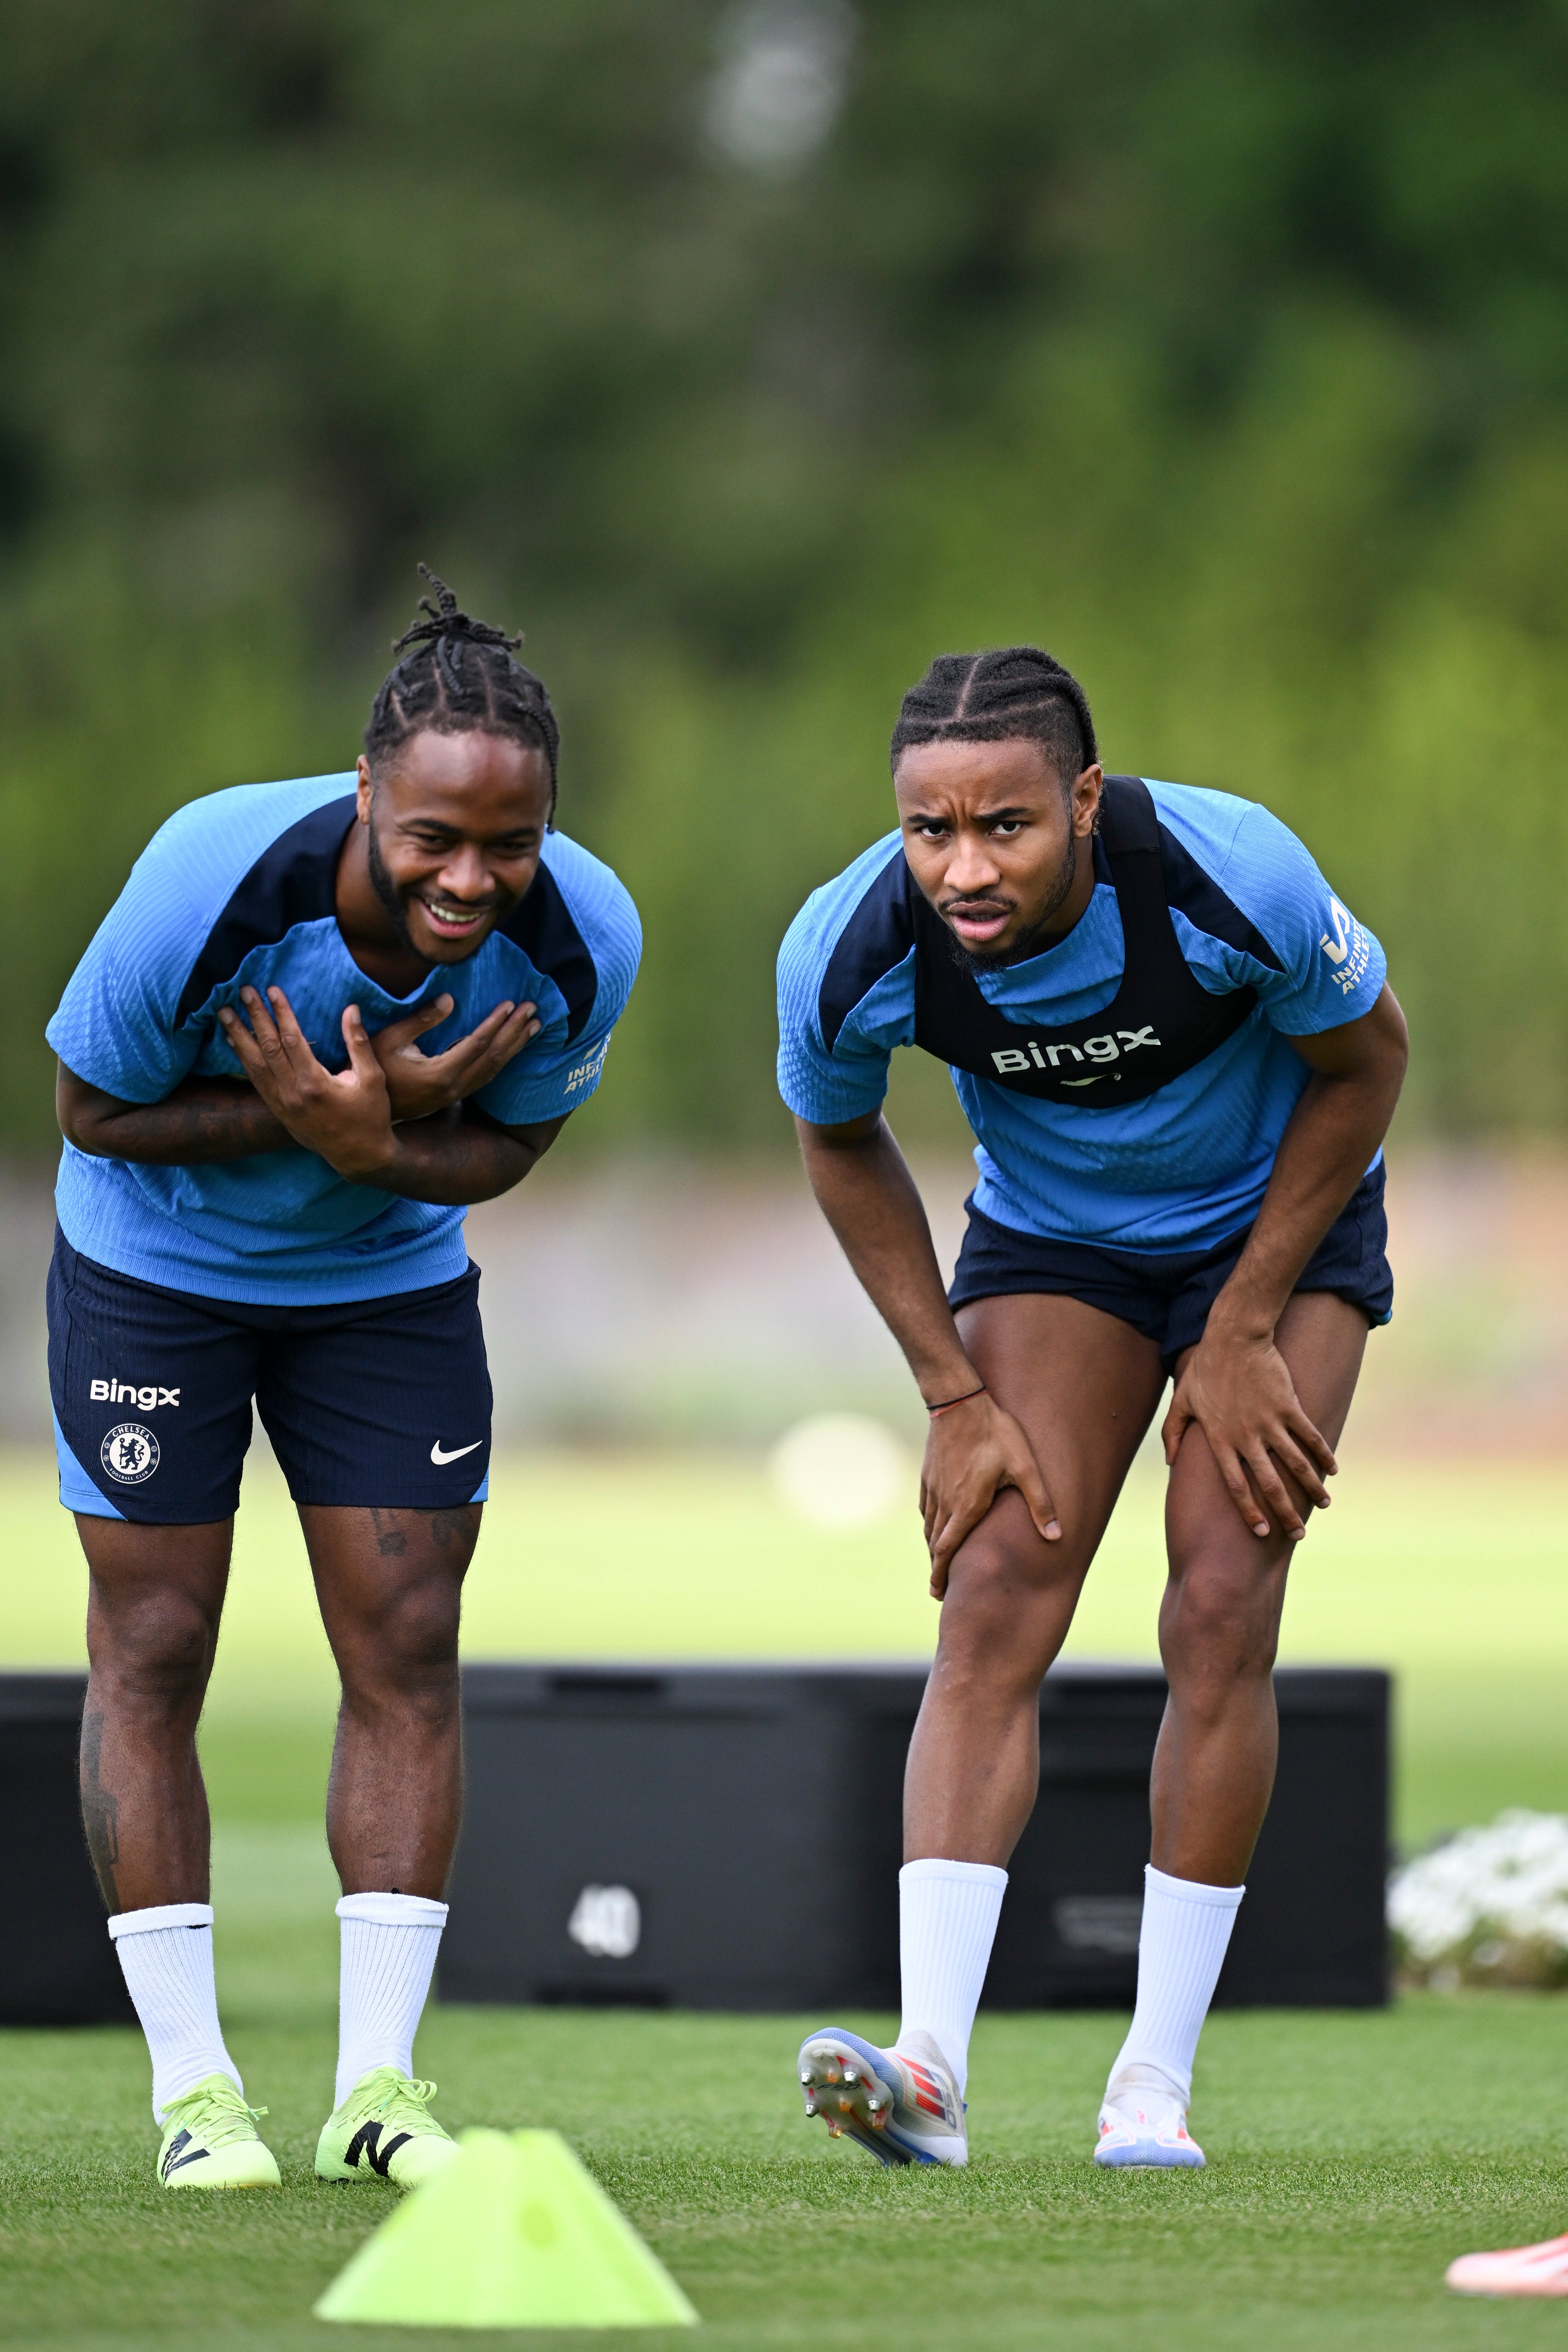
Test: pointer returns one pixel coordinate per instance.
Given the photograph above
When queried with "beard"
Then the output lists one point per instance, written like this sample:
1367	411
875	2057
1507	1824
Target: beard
974	960
386	889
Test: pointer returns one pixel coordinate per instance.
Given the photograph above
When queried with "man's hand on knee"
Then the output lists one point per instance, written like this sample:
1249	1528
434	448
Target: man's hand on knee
1240	1392
973	1451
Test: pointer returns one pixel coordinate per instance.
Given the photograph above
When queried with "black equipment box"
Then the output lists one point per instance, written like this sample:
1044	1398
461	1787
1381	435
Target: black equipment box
57	1963
730	1837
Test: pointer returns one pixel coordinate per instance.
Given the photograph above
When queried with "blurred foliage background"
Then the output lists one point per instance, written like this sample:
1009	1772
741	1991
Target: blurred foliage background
749	355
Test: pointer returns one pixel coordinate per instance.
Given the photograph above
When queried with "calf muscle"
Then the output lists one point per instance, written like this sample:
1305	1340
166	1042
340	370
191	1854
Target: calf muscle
390	1586
154	1597
1219	1620
1084	1386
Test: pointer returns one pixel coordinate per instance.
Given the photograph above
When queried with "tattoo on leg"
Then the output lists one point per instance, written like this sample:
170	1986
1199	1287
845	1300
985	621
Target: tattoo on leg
99	1809
457	1527
390	1540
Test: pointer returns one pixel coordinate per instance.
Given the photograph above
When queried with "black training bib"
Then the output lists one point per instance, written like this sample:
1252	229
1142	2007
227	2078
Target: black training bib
1160	1022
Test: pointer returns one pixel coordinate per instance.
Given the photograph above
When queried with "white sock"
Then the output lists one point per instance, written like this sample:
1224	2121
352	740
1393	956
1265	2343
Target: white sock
166	1957
387	1952
947	1914
1181	1944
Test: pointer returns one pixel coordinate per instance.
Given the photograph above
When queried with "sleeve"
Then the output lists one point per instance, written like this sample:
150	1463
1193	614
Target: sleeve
822	1086
116	1025
1332	969
550	1079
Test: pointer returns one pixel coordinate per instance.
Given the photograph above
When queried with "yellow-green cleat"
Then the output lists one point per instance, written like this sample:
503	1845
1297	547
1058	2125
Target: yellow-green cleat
210	2141
384	2129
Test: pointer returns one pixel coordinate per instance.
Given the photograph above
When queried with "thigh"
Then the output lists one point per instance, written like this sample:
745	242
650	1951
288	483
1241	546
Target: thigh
390	1581
151	1392
152	1590
383	1404
1084	1385
1322	1338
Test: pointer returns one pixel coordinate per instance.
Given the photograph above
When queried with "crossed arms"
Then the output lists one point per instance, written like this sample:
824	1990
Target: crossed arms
397	1120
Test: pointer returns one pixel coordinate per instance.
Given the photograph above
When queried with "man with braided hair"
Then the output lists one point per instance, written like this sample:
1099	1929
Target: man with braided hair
1179	1056
321	1018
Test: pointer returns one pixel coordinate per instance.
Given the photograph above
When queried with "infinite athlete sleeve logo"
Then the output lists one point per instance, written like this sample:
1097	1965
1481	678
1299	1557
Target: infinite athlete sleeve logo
1348	948
587	1073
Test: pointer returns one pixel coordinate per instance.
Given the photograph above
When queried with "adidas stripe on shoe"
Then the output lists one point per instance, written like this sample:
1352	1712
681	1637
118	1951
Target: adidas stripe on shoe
900	2105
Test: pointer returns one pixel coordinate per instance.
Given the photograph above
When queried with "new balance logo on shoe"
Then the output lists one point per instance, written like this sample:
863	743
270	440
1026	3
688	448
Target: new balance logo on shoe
1107	1048
366	2142
126	1393
439	1454
172	2159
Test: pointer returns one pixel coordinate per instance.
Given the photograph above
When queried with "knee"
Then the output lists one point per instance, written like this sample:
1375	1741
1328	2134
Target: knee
157	1650
998	1614
1220	1627
407	1646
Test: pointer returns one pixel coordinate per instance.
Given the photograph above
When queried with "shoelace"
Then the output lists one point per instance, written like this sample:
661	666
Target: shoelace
401	2091
217	2117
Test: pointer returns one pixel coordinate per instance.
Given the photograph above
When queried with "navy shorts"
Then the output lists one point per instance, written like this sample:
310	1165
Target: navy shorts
1168	1298
377	1402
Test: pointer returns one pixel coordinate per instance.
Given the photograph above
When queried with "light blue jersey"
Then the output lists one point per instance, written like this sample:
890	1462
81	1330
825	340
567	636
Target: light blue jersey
238	888
1182	1167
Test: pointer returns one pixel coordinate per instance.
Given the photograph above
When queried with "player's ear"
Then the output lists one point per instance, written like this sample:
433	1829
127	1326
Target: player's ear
1085	798
366	788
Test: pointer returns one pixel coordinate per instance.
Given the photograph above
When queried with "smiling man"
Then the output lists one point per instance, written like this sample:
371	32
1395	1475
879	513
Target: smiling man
1179	1056
321	1018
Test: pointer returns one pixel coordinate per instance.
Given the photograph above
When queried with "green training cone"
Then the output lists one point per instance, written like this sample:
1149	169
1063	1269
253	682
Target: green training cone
513	2233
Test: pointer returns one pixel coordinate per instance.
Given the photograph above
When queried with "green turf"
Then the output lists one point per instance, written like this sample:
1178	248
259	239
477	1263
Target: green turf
1351	2157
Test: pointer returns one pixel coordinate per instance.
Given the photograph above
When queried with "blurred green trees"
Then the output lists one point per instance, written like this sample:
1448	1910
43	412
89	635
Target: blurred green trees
1221	347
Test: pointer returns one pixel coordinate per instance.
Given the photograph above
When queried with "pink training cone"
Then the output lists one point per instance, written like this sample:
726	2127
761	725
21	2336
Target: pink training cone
1539	2270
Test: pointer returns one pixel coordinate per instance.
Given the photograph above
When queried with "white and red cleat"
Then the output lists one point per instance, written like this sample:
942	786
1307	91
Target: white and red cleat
1517	2270
1143	2125
902	2105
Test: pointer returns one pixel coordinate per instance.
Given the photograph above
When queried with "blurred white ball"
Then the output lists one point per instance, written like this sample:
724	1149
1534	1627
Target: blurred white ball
840	1470
782	81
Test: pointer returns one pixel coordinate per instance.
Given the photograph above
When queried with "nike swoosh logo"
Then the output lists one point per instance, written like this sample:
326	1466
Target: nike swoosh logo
1079	1082
438	1456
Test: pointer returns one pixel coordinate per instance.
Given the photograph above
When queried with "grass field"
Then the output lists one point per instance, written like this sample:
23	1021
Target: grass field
1350	2155
1350	2158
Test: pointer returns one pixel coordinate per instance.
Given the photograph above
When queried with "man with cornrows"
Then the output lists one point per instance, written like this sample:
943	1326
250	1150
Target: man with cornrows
1179	1058
321	1018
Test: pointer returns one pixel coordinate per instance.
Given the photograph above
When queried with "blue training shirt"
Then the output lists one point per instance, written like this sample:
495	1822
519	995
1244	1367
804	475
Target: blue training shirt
240	888
1189	1165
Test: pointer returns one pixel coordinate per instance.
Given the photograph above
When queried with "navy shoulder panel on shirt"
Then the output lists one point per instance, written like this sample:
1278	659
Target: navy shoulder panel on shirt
880	932
873	942
541	924
293	881
1206	906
